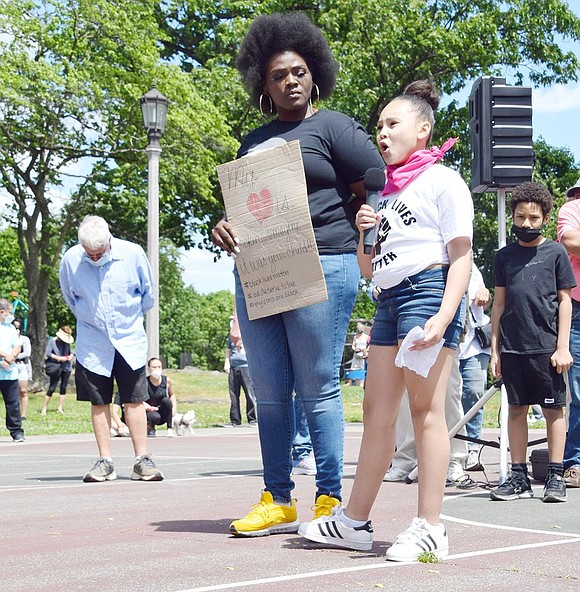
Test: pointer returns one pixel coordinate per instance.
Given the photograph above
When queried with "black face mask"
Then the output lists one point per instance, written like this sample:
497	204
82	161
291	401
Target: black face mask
527	235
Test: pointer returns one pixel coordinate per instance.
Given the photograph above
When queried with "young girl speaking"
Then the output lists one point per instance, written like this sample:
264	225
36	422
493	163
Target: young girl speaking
420	263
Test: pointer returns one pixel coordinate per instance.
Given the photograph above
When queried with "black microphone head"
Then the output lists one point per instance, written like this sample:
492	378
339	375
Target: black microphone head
374	179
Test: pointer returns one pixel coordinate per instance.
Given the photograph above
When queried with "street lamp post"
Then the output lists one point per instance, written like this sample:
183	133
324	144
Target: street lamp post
154	108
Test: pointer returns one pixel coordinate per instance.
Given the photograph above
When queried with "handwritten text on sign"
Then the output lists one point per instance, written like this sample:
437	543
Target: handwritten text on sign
267	204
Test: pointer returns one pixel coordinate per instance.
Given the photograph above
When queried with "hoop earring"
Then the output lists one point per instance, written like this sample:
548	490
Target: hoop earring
315	86
262	112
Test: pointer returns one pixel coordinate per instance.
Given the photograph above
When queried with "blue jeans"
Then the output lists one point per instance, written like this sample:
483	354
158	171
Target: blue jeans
302	444
572	449
474	376
301	351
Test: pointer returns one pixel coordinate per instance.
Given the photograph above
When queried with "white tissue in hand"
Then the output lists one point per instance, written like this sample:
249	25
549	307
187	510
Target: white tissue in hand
419	361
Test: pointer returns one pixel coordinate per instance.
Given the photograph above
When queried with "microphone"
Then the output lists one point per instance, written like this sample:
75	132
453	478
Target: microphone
374	182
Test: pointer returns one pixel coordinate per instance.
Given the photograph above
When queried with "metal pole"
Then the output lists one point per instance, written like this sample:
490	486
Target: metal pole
503	409
503	436
501	219
153	151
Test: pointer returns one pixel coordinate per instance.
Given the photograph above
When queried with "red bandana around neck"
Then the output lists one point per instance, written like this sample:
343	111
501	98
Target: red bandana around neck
400	175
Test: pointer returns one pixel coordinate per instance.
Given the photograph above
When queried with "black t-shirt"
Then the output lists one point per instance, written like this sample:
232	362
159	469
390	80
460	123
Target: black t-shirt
336	151
531	277
157	392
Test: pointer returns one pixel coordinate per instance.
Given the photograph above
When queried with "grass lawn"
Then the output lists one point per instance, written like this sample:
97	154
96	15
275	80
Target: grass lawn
205	392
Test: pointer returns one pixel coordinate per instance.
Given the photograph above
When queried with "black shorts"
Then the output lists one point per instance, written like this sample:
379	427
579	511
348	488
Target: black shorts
98	389
532	380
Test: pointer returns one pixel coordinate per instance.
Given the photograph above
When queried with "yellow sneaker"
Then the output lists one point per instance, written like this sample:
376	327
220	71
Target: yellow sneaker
266	517
324	505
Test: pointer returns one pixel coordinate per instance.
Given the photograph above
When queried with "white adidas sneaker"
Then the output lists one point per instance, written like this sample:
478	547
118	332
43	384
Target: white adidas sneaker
419	538
329	530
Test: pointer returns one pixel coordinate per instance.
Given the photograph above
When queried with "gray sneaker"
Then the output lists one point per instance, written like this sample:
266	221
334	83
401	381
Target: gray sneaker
146	470
103	470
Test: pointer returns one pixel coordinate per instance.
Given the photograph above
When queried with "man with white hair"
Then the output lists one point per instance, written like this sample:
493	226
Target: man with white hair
108	285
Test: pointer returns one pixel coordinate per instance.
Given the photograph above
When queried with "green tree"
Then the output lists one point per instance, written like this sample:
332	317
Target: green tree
192	323
213	329
364	307
178	321
381	46
71	139
11	266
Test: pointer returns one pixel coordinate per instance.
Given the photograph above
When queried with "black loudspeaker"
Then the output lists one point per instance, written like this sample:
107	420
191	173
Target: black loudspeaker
500	124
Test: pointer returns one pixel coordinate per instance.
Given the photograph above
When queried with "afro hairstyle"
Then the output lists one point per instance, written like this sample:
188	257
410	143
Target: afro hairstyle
274	33
534	193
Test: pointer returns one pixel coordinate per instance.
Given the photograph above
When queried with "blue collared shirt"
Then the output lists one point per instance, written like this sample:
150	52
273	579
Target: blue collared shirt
8	339
109	303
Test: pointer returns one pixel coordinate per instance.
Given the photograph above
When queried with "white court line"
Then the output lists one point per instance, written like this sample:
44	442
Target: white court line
511	528
372	566
44	485
187	458
497	526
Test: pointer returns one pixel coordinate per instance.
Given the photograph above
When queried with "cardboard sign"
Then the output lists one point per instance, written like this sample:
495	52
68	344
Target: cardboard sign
267	204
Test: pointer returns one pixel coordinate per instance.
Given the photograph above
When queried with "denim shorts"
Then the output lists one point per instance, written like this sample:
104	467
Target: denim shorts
413	302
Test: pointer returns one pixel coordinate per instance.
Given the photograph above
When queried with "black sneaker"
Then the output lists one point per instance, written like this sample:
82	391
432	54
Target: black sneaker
555	489
516	487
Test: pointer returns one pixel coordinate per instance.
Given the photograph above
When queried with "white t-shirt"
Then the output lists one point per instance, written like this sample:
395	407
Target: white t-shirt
470	347
418	222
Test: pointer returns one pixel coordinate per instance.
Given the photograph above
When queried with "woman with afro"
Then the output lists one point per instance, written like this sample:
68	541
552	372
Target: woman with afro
287	67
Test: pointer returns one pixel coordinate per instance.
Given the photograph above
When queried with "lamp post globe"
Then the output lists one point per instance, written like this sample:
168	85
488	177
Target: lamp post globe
154	109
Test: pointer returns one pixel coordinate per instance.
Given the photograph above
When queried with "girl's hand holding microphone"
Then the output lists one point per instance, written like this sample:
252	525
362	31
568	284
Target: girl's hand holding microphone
366	218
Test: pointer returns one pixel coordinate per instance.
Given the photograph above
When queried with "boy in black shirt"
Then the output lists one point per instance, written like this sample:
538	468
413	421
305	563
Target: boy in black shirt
531	319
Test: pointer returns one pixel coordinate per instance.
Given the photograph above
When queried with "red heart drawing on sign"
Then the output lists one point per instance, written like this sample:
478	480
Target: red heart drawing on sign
260	205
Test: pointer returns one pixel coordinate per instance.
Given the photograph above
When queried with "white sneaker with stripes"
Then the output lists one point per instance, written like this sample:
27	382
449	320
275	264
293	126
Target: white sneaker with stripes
419	538
329	530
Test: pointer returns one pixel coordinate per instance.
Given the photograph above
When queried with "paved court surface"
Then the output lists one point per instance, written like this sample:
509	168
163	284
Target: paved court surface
59	534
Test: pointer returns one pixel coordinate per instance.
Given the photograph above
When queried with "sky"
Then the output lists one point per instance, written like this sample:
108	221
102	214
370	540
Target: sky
556	119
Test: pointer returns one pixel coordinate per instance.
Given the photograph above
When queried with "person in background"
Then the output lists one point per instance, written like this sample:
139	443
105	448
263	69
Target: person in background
286	64
473	362
569	236
58	366
530	341
107	283
161	405
536	414
360	351
239	378
119	428
24	368
10	347
303	462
